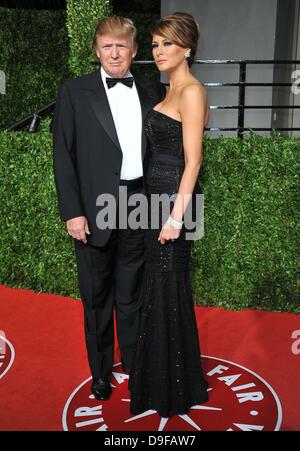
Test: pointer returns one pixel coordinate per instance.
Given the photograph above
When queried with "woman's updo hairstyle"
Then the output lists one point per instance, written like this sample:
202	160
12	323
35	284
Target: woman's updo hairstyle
182	29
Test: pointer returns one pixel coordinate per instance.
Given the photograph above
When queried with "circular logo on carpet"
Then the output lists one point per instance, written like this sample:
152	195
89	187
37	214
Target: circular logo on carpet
7	354
239	400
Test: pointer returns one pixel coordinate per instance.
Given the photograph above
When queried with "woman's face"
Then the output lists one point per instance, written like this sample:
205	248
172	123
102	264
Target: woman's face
166	54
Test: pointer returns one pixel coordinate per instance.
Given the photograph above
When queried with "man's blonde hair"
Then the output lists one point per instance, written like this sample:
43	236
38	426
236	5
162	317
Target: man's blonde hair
117	26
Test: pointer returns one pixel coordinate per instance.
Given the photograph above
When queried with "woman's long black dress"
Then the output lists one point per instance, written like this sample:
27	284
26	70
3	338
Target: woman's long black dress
166	374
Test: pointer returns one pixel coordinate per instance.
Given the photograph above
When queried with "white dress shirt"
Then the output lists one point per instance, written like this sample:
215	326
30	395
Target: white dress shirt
125	107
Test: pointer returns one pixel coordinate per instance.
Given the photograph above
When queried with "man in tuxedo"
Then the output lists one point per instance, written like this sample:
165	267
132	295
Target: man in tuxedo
99	145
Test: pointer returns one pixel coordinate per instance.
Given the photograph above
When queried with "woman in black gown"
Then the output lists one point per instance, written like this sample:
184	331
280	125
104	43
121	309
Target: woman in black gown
166	375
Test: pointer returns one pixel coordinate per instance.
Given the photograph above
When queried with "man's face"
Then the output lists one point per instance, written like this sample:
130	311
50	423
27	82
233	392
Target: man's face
115	53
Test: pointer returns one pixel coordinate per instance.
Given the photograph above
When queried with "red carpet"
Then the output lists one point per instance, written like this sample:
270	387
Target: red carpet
252	365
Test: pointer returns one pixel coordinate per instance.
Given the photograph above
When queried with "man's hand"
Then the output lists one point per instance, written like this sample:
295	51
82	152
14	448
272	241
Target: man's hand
78	228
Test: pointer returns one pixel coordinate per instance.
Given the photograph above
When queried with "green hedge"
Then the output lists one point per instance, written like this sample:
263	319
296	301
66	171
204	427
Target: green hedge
34	56
249	254
248	257
35	250
83	16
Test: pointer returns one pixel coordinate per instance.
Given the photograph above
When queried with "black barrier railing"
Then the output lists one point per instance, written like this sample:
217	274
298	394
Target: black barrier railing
242	84
31	122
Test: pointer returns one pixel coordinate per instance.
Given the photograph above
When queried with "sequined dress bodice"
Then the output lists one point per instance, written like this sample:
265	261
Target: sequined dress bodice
165	153
164	134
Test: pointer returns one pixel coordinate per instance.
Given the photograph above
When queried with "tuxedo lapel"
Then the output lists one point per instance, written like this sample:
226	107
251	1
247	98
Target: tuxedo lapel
99	103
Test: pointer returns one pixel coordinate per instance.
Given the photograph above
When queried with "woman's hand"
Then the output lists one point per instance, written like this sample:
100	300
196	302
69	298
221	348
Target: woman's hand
168	232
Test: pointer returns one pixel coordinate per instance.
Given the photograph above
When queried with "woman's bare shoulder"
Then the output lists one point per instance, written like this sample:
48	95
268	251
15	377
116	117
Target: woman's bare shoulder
194	87
193	92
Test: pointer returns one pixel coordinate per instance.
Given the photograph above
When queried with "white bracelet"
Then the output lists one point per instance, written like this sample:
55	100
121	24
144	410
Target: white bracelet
176	224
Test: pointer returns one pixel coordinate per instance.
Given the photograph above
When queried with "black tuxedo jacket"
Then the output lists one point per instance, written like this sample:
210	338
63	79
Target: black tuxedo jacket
87	153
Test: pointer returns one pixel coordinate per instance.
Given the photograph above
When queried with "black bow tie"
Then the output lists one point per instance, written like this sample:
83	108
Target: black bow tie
113	81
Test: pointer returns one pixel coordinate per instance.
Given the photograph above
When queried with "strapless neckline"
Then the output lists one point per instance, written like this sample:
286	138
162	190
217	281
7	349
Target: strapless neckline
163	114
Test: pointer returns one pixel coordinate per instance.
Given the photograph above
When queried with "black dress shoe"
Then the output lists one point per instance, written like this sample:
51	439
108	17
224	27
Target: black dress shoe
101	389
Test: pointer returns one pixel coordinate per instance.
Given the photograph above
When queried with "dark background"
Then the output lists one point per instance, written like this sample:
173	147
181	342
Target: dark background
119	5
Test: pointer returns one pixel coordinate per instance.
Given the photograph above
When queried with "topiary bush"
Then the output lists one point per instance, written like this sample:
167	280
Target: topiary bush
34	57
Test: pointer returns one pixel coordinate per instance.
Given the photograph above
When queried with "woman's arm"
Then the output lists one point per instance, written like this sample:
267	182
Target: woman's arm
193	112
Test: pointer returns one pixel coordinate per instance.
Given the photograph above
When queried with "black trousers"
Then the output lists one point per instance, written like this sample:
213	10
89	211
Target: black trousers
109	277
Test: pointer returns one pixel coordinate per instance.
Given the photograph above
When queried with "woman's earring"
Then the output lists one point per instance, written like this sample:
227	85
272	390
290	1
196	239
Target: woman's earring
187	54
